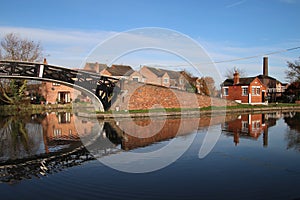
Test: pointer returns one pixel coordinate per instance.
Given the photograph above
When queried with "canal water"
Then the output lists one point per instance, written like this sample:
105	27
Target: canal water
63	156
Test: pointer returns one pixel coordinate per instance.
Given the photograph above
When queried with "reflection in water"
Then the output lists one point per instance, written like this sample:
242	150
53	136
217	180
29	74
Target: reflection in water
19	138
252	126
31	146
39	144
27	136
293	135
129	136
248	126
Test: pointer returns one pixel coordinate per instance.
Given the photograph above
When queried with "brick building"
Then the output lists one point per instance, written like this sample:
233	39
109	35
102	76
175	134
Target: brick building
248	90
57	93
162	77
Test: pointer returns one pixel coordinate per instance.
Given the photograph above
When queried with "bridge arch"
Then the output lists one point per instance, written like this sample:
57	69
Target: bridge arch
98	87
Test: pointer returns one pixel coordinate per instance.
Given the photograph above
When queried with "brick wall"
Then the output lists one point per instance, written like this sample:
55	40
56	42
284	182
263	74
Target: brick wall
135	96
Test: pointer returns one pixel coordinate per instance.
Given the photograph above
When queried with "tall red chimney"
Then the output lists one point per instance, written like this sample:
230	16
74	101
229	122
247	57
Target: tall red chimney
265	66
236	77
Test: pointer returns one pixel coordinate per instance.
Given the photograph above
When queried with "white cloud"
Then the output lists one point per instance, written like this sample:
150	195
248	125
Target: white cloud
62	47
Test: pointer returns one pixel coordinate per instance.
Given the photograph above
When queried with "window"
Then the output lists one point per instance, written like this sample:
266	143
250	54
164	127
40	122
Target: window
55	84
255	90
166	80
255	125
245	126
244	91
225	91
57	132
64	117
135	79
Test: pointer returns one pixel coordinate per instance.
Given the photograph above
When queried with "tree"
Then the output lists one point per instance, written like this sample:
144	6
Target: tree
229	73
293	71
206	86
13	47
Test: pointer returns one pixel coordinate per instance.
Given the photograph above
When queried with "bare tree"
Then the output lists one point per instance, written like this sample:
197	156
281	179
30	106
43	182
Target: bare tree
13	47
229	73
293	71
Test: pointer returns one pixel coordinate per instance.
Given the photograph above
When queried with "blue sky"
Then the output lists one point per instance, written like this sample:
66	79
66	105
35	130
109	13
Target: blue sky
229	29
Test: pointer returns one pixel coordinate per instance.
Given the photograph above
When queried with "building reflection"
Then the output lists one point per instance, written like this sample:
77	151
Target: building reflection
26	136
251	126
131	134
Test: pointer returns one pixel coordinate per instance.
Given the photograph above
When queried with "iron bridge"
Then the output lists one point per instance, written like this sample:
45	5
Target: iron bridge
100	86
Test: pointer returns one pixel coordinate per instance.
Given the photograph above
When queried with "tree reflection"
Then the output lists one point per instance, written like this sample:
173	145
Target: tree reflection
293	135
18	137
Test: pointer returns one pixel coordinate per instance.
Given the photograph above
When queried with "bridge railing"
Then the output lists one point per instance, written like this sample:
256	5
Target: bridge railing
91	82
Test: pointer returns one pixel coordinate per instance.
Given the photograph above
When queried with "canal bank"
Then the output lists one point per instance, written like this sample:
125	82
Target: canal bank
33	108
193	112
241	109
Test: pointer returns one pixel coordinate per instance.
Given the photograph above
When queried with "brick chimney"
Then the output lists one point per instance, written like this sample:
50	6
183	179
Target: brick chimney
265	66
45	61
236	77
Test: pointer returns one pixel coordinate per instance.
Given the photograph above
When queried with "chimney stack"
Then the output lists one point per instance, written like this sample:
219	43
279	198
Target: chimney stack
265	66
45	61
236	77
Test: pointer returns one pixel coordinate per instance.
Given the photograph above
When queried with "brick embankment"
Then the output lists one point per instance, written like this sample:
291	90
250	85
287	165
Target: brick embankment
137	96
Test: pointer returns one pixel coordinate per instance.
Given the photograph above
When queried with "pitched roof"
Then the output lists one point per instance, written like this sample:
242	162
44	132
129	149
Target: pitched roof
160	72
120	70
242	81
261	76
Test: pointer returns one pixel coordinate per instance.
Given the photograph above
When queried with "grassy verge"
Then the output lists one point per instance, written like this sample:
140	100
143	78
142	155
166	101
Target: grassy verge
240	106
32	108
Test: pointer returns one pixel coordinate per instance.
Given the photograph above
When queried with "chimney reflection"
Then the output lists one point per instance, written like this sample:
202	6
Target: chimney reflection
249	126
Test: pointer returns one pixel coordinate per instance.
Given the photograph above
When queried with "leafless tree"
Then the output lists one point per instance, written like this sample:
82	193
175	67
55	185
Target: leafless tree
13	47
229	73
293	71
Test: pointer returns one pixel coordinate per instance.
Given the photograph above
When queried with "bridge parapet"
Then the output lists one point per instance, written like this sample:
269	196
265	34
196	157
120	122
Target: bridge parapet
96	84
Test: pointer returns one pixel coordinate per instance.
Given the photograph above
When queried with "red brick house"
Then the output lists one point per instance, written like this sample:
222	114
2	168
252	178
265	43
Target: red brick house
57	93
248	90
